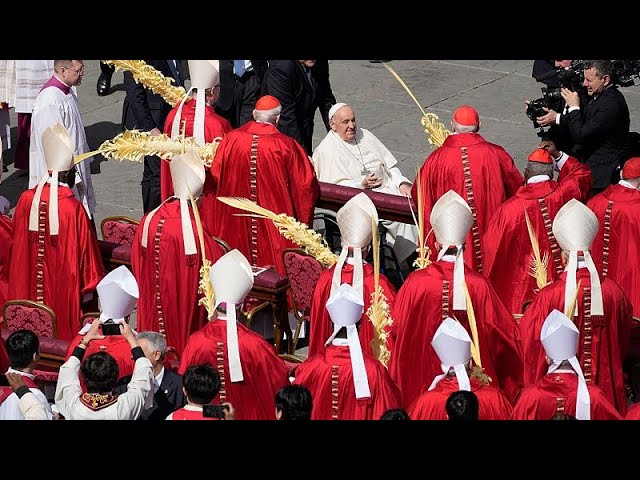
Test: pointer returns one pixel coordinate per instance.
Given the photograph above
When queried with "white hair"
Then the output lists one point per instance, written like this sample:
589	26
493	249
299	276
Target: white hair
267	116
465	128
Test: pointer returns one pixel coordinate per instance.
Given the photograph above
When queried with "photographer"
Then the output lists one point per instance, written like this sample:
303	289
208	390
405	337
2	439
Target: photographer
601	126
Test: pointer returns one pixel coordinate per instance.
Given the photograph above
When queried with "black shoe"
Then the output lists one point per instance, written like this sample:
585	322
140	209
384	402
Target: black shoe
104	84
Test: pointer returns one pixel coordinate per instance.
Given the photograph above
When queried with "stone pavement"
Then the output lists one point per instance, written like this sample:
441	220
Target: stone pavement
496	88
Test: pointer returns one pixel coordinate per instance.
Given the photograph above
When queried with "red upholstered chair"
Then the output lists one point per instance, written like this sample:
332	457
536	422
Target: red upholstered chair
118	233
39	318
303	271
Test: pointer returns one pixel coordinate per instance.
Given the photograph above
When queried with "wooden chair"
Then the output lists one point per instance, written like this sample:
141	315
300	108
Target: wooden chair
303	271
40	319
118	233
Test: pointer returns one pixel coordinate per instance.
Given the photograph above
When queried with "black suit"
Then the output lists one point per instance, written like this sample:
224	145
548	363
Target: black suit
601	127
168	398
288	81
144	110
238	96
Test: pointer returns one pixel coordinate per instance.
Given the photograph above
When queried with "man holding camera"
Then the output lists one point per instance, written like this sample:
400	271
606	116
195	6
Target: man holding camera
601	126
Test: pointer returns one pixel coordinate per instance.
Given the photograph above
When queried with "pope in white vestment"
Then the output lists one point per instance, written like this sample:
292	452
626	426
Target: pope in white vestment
58	103
348	155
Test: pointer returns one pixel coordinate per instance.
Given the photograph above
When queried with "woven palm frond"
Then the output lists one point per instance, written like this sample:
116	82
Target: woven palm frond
290	228
572	306
204	284
151	78
538	265
378	311
134	145
434	129
423	250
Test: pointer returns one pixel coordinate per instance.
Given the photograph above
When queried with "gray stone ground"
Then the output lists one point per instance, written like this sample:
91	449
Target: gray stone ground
496	88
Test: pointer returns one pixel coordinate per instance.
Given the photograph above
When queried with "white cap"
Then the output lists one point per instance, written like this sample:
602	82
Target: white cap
204	73
58	153
453	346
335	108
232	279
355	222
345	308
451	218
187	175
574	227
118	294
559	337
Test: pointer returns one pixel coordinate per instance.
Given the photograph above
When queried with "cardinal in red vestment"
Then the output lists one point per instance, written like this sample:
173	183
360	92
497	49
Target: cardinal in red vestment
436	292
166	257
258	162
346	383
55	258
507	245
481	172
633	413
196	117
118	293
564	388
354	221
6	242
250	371
616	249
602	312
453	347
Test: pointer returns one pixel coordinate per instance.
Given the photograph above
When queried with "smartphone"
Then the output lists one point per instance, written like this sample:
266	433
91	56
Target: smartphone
110	328
214	411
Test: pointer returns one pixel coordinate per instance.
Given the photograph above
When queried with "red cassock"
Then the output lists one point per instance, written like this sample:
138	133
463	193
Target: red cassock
485	176
258	162
6	242
425	299
507	246
264	372
633	413
320	324
556	393
320	372
115	345
167	278
431	405
616	250
214	126
603	340
57	271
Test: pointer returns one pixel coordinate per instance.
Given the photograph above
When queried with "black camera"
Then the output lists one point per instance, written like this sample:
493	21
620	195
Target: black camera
624	71
214	411
110	328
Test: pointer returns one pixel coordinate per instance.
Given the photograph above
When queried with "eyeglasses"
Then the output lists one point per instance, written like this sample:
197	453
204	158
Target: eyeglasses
78	71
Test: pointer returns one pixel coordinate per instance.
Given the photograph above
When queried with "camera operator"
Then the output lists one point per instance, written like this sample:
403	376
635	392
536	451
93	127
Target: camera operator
546	71
601	126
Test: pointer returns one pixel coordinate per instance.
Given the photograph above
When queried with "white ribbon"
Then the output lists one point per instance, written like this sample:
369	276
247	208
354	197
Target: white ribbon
583	400
459	299
198	121
358	273
34	212
461	376
597	307
360	380
187	229
233	351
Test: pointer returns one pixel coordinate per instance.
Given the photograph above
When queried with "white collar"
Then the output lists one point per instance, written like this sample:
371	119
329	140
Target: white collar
160	377
624	183
538	179
449	258
24	374
193	408
340	342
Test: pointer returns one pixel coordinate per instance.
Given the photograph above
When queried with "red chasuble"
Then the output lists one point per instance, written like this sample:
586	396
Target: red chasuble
320	324
167	278
616	248
55	270
6	242
115	345
214	126
480	172
431	405
329	378
185	414
258	162
264	372
425	299
603	340
633	413
556	393
507	245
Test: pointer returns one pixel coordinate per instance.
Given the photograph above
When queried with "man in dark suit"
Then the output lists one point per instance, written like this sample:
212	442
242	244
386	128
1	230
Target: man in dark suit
601	126
168	393
302	86
146	111
240	82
